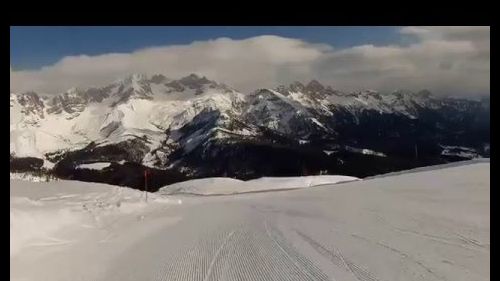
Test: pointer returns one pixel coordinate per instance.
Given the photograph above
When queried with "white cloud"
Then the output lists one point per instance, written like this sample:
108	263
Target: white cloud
445	60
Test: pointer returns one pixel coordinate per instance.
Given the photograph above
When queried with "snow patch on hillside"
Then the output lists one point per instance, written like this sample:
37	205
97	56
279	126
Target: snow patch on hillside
365	151
94	166
460	151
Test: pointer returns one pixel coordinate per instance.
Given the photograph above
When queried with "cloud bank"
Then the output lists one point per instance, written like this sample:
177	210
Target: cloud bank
445	60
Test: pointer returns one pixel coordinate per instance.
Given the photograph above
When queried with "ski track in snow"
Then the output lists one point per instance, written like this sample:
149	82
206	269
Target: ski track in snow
339	232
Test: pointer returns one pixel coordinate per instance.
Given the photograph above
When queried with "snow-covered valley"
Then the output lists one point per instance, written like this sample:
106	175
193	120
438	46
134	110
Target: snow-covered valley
424	225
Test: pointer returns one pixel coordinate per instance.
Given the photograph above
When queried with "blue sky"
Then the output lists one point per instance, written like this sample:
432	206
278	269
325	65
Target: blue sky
34	47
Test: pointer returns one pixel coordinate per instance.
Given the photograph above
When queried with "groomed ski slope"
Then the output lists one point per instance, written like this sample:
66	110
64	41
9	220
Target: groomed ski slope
430	225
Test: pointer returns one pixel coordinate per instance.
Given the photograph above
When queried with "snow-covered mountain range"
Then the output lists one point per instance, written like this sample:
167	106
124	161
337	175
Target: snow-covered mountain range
198	127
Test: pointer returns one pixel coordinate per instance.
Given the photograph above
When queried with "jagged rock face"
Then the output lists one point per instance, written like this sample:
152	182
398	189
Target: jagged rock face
75	100
202	128
31	104
295	87
175	86
193	81
67	102
314	87
158	79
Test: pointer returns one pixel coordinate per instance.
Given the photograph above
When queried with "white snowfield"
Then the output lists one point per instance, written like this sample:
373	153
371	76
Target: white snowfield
41	211
94	166
429	225
225	186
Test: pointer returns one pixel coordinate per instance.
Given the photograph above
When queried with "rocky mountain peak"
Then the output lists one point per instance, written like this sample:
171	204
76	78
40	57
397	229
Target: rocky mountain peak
29	98
297	87
138	77
404	92
131	79
314	86
425	93
31	103
72	91
158	78
194	81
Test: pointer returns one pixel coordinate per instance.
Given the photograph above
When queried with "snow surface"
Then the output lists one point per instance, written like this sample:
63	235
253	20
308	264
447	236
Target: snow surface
216	186
94	166
431	225
42	213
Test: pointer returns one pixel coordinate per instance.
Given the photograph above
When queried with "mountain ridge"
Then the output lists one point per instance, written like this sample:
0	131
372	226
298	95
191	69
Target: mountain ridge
186	123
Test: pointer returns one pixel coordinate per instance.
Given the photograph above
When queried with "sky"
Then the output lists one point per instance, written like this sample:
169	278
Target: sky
445	60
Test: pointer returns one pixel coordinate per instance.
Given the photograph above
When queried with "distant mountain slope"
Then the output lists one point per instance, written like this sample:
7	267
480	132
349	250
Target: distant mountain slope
198	127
